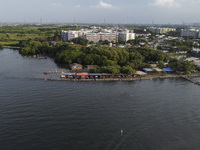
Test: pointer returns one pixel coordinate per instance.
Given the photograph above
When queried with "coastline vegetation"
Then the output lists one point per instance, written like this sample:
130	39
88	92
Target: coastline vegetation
109	59
35	40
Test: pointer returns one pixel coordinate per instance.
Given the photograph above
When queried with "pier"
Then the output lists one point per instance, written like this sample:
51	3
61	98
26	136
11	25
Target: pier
147	77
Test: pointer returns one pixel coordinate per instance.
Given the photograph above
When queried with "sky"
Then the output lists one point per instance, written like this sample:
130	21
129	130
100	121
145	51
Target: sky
100	11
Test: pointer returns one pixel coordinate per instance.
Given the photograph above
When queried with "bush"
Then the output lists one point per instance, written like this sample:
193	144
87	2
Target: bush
1	46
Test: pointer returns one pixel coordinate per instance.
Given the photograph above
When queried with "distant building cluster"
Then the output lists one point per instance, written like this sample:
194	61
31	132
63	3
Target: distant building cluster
160	30
190	32
144	33
97	34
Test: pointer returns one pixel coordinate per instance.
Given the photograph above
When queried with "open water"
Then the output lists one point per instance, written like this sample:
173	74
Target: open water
131	115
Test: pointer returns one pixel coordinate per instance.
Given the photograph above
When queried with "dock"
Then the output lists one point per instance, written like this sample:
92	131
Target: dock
189	78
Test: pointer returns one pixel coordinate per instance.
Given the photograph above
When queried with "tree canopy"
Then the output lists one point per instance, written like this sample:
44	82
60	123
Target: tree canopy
184	66
109	59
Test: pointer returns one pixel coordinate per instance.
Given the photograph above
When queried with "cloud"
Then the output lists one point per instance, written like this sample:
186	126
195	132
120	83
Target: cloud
165	3
103	5
56	4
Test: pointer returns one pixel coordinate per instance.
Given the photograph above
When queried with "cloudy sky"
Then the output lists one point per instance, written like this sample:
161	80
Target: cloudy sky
95	11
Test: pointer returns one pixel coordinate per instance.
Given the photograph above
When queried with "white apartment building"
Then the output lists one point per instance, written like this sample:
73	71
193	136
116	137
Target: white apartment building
126	35
96	36
190	32
69	35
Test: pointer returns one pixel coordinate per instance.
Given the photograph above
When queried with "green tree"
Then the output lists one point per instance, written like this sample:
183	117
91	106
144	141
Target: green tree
161	64
80	41
128	70
1	46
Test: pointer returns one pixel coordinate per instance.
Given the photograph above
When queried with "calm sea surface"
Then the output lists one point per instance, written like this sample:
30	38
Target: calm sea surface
55	115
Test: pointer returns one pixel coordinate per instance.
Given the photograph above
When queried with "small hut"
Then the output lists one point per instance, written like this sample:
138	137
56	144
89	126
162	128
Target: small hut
95	75
168	70
158	70
82	75
76	66
148	70
70	75
140	73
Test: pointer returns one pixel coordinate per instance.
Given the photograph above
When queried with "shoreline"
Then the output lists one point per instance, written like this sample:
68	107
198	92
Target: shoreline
147	77
11	47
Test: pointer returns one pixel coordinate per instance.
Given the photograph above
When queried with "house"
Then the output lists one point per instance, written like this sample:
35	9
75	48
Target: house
144	34
76	66
95	75
195	51
148	70
140	73
70	75
158	70
192	59
82	75
168	70
120	75
153	64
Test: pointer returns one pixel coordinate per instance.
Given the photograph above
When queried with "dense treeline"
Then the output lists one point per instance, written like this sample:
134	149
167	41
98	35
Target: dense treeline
184	66
176	45
109	59
181	43
33	47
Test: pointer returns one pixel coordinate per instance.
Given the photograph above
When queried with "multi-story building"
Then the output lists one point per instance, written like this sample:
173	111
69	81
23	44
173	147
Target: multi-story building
160	30
97	35
190	32
69	35
126	35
